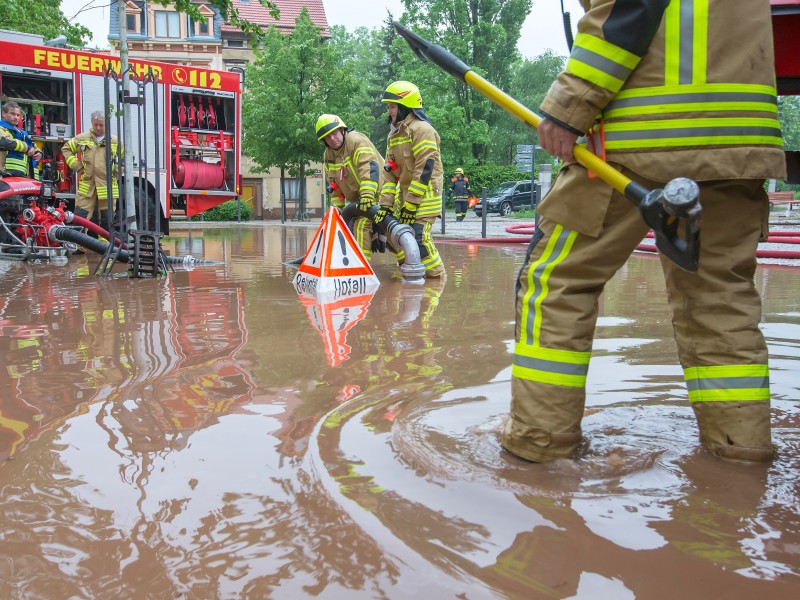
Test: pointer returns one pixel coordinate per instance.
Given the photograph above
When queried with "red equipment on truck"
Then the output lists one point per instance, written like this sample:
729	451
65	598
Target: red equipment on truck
200	153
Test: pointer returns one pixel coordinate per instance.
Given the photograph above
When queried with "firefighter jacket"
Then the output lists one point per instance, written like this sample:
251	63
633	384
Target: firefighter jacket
15	160
417	175
459	186
353	171
689	91
86	153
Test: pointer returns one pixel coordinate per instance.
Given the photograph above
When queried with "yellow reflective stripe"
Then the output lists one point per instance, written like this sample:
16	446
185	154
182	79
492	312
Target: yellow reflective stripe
84	187
550	366
557	249
601	62
398	140
349	164
368	186
672	43
362	150
417	188
698	107
338	202
423	145
700	53
16	164
693	132
389	188
727	383
71	161
430	205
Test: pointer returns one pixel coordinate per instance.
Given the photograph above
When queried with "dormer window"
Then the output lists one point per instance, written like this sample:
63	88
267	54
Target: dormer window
200	29
134	17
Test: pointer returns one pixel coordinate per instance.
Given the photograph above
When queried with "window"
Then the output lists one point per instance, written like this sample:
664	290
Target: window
199	29
167	24
134	17
235	43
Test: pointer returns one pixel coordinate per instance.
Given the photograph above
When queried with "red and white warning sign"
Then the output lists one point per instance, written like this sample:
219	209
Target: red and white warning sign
334	266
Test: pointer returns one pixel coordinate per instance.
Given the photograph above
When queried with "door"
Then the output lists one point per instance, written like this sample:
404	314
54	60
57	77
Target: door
522	196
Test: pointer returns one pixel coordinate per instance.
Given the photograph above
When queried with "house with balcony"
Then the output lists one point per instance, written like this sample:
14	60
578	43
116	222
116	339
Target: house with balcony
157	32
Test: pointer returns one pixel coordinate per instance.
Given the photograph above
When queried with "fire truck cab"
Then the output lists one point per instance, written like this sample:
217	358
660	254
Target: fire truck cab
197	123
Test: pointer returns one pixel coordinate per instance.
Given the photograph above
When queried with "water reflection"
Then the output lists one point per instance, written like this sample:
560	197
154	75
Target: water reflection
210	435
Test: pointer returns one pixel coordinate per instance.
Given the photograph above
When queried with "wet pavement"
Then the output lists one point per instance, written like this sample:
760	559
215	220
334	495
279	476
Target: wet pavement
213	435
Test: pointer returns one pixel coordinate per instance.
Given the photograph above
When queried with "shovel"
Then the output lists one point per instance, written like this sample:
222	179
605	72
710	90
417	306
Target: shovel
662	209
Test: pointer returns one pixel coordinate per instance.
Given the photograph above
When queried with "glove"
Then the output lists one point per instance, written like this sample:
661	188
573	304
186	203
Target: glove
364	204
378	242
381	215
408	214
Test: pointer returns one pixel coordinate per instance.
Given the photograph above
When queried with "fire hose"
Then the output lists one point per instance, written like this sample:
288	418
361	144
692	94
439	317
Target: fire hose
62	233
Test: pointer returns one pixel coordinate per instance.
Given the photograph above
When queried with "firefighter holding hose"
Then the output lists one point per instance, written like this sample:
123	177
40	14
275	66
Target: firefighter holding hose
413	170
352	171
86	155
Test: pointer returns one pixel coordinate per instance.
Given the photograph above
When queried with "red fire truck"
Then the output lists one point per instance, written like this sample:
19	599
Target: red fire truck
199	118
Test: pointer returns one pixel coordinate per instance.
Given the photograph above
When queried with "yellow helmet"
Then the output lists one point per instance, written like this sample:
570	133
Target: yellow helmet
403	92
327	124
459	171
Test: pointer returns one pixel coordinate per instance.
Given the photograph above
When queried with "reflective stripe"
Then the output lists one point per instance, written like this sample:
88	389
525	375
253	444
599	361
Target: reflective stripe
398	140
550	366
422	145
389	188
417	188
430	205
84	187
17	164
558	247
686	42
693	98
368	186
727	383
722	131
362	150
601	62
71	161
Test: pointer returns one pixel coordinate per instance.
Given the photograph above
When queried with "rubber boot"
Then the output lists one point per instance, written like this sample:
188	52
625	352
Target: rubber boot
735	430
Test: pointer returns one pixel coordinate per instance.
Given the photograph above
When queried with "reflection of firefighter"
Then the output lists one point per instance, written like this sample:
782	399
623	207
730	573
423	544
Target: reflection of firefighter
460	190
86	155
353	172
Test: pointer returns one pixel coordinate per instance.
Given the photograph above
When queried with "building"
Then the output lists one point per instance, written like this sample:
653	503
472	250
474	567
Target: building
156	32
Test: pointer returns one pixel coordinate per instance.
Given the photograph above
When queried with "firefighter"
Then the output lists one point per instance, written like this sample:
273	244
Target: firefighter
460	190
675	102
16	146
413	171
352	171
86	155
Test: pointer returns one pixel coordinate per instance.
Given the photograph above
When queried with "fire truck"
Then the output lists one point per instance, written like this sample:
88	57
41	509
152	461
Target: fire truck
198	113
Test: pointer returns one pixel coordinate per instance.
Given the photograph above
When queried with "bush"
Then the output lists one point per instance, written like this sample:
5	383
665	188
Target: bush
227	211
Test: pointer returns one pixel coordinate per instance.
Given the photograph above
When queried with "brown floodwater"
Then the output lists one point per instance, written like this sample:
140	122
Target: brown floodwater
211	434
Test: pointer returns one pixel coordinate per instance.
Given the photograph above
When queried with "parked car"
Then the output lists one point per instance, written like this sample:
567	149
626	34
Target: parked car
506	198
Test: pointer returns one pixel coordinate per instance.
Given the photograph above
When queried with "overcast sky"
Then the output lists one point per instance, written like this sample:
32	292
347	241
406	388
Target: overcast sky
543	28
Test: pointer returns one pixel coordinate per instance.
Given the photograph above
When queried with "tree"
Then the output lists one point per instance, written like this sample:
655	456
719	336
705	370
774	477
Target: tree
484	34
43	17
294	79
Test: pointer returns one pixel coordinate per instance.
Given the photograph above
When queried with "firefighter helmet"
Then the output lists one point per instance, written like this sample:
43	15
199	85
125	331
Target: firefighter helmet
327	124
404	93
459	171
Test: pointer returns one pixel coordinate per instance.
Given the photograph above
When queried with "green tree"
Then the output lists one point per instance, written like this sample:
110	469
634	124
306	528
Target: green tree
43	17
789	112
483	33
294	79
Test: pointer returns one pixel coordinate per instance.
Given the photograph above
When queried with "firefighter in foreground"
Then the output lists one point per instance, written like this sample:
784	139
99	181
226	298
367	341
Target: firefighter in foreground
86	155
668	112
459	188
352	170
16	146
413	171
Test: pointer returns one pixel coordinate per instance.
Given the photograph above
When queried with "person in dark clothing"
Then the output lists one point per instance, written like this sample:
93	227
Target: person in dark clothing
459	189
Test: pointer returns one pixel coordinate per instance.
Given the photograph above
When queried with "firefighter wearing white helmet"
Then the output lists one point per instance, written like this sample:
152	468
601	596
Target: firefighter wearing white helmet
413	170
352	171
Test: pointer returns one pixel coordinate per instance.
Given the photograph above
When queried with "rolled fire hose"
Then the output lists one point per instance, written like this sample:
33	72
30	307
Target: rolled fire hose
400	235
61	233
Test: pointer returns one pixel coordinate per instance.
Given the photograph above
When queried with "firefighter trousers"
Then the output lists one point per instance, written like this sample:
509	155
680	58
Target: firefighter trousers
715	315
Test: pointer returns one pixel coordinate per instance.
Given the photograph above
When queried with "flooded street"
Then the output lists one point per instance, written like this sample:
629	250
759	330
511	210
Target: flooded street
213	435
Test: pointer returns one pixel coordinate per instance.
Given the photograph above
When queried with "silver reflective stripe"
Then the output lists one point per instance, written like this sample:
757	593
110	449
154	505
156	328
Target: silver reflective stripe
727	383
600	63
693	97
691	132
687	41
551	366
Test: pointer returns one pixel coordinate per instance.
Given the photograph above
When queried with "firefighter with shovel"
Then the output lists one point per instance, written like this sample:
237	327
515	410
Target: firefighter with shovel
670	109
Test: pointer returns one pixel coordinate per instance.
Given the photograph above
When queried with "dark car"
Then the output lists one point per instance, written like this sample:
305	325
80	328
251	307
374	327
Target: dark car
506	198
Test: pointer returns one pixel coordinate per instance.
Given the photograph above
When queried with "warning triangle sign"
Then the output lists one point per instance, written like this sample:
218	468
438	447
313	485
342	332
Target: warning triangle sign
333	320
334	266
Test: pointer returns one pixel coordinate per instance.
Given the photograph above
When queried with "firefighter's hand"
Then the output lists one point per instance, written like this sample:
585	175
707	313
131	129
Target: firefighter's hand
365	203
378	242
408	214
381	215
557	140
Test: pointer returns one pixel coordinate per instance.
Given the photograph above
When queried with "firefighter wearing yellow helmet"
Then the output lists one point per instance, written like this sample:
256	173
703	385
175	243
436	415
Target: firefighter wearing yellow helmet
413	170
460	190
352	170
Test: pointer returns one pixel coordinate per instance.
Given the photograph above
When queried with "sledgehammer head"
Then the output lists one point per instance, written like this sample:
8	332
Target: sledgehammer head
665	211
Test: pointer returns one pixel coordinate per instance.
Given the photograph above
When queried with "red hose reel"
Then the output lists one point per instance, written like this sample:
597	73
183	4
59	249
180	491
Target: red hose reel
195	173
